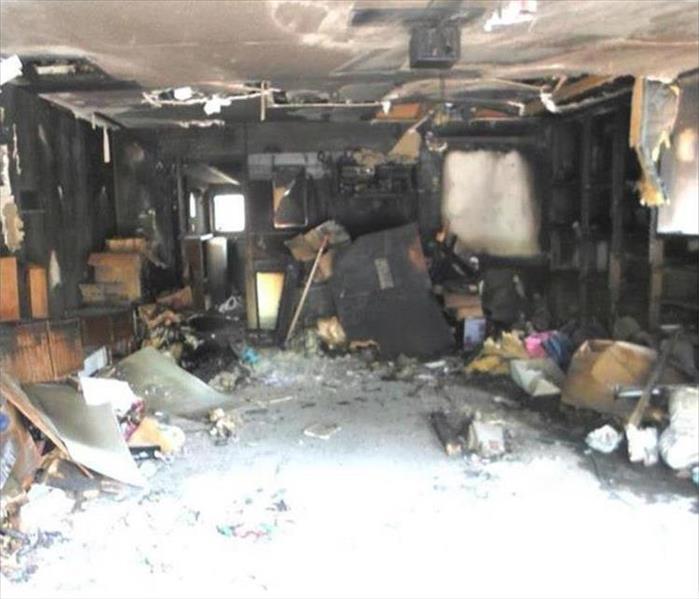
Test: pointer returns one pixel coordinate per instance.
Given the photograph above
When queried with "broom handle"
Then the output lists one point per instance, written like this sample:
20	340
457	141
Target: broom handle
306	287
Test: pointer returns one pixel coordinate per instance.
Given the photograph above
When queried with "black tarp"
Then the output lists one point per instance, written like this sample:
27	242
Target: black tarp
382	292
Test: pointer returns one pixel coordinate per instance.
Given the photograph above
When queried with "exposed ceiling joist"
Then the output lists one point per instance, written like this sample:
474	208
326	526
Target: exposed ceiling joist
549	101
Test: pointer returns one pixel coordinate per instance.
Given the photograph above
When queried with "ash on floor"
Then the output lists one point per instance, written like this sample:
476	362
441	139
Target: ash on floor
376	508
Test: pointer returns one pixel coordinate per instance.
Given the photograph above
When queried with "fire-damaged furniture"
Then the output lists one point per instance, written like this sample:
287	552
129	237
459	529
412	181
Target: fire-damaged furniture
41	350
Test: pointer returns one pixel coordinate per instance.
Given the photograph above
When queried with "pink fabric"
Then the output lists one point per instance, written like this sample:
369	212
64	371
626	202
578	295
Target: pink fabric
534	344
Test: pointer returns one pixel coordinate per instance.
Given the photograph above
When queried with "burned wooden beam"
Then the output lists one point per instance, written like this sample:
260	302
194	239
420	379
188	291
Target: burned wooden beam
616	253
567	92
585	214
448	436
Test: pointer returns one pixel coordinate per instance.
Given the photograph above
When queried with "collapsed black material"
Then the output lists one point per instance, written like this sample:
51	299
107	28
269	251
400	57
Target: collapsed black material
382	292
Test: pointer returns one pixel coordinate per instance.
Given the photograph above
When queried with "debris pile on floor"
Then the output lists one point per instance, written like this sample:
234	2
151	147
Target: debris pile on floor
321	430
101	426
257	520
164	330
636	388
679	443
390	304
605	439
224	425
401	315
472	435
153	435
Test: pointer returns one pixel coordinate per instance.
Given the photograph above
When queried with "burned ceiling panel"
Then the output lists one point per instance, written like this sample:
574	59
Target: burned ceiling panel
356	51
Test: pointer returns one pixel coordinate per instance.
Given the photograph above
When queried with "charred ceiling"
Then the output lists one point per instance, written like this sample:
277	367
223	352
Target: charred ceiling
323	60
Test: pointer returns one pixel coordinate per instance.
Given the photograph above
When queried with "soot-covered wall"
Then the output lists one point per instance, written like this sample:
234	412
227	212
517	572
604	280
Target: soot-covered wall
146	201
63	190
489	202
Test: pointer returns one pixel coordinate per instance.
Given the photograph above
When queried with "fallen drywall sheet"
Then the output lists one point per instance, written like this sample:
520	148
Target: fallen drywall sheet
12	392
539	377
98	391
382	293
166	387
488	202
91	433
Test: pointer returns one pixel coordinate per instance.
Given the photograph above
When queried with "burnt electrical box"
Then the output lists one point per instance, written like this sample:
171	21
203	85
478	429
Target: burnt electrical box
435	46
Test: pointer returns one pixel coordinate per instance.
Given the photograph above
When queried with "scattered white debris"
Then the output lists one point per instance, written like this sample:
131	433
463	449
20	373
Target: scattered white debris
321	431
540	377
10	68
215	104
225	424
230	305
95	361
510	403
98	391
679	443
225	381
605	439
548	102
182	93
643	444
15	150
487	439
281	399
436	364
202	123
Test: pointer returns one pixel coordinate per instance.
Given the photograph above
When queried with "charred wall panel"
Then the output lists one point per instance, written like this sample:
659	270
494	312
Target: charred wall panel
228	150
63	189
218	143
146	201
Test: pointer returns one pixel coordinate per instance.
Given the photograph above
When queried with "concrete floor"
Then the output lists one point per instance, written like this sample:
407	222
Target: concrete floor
377	510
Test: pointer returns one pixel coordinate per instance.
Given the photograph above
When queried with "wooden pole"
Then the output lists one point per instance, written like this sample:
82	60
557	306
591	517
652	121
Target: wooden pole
306	287
656	257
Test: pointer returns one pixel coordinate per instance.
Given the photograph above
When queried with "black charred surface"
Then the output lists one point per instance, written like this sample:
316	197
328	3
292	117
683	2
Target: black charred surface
146	201
63	189
382	293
